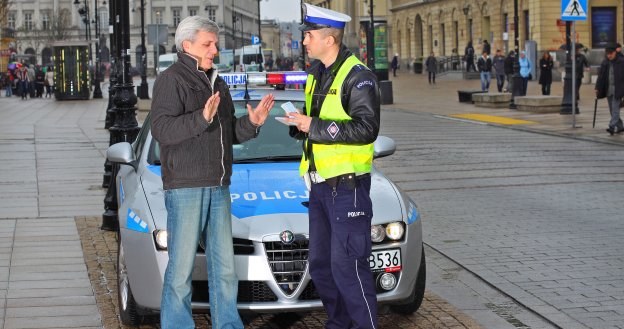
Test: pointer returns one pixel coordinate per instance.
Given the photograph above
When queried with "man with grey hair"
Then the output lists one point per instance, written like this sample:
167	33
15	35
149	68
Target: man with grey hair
193	120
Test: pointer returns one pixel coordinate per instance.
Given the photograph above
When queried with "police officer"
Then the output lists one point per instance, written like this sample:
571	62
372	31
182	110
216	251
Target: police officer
339	124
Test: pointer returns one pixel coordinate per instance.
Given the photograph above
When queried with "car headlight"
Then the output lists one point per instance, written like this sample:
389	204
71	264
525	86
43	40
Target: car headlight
160	237
378	233
395	230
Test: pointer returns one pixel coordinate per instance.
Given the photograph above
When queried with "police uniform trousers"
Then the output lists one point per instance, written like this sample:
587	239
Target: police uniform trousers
340	244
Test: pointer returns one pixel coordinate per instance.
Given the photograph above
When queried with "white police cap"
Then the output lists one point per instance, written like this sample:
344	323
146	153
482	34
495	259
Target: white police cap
315	18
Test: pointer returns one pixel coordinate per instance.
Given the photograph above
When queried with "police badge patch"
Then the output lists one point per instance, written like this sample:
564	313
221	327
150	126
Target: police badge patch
333	130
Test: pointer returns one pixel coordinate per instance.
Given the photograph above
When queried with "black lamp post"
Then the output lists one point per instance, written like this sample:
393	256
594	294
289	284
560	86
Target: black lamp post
566	103
143	88
97	92
517	83
125	128
370	43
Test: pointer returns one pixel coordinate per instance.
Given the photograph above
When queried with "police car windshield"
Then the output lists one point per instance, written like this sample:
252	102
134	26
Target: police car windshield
273	143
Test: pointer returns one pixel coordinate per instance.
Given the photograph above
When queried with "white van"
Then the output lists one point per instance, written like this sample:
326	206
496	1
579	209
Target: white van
166	60
249	59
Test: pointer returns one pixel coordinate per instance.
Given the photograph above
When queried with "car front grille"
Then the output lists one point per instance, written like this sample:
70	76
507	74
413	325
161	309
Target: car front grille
241	247
248	292
288	263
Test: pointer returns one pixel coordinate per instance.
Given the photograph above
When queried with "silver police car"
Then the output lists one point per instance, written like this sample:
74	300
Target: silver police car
269	221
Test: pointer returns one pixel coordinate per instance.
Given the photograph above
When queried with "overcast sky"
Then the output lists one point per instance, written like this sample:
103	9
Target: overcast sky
282	10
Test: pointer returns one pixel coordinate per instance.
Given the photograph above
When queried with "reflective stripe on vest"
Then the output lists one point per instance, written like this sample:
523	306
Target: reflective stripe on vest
332	160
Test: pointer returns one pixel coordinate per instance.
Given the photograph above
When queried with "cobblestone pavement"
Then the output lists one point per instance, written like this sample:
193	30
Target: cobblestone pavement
100	252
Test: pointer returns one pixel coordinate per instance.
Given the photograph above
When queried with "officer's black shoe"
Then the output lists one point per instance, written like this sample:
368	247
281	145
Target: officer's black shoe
611	131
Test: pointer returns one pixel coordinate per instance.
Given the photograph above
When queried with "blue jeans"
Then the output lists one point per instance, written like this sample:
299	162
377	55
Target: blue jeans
485	81
193	214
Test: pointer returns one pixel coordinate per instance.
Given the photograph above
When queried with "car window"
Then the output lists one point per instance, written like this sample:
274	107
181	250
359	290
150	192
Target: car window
273	141
137	146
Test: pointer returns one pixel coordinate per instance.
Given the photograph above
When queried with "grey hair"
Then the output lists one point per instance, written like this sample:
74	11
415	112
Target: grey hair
188	28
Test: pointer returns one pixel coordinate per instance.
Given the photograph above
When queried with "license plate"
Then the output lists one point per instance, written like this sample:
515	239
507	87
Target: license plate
385	260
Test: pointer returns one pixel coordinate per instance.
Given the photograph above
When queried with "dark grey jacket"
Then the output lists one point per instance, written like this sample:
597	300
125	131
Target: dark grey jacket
602	83
194	153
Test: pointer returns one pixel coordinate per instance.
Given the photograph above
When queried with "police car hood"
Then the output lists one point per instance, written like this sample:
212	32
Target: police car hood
268	198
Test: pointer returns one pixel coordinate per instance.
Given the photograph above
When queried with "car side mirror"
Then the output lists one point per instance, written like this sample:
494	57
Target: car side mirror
384	146
121	153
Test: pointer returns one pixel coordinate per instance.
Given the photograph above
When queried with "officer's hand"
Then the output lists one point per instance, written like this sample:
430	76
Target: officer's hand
301	120
258	115
210	108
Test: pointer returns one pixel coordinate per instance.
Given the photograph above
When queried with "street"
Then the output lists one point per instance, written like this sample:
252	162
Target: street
523	229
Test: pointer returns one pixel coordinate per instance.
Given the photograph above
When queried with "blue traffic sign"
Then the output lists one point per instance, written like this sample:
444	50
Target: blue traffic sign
574	10
255	40
294	44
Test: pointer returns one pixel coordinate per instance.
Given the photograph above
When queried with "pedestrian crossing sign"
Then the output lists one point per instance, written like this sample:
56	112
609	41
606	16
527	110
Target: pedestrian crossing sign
573	10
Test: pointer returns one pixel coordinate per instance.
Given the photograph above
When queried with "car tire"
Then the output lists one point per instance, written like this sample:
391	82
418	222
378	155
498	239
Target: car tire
419	290
125	300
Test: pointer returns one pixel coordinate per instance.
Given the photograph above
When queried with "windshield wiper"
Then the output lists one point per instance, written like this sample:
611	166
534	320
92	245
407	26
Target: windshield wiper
273	158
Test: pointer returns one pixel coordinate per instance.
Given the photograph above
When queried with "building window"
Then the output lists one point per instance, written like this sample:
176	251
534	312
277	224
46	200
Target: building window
193	11
11	20
45	21
526	25
159	16
211	12
176	16
505	22
28	24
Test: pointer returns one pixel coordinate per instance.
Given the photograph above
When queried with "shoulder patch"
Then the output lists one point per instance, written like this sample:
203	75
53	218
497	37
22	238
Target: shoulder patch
365	83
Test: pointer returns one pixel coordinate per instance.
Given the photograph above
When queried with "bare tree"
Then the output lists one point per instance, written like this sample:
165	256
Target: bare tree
5	6
60	25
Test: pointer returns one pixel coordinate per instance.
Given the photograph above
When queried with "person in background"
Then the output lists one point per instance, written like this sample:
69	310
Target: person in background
24	82
49	79
338	130
509	70
484	64
469	56
394	64
546	64
610	84
431	63
39	81
499	66
32	87
486	47
581	64
454	59
193	120
525	72
8	84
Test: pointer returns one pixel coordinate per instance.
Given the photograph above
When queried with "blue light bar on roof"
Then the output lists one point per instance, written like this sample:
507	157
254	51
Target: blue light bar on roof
268	78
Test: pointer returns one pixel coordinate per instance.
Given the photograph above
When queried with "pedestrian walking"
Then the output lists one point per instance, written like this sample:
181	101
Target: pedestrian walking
338	130
610	84
49	81
39	82
8	84
581	63
486	47
431	63
546	64
484	64
395	64
509	70
498	62
194	122
525	72
30	69
469	56
24	82
454	59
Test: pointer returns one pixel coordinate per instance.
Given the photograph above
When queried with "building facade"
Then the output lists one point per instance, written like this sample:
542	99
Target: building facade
422	26
38	23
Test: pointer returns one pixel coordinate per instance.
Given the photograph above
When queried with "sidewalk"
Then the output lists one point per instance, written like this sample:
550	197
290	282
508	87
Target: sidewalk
413	93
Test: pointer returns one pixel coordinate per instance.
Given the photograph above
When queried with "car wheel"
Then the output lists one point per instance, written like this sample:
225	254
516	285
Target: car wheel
127	306
419	290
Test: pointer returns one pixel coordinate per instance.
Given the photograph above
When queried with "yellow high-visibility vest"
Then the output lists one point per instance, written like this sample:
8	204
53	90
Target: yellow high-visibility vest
332	160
